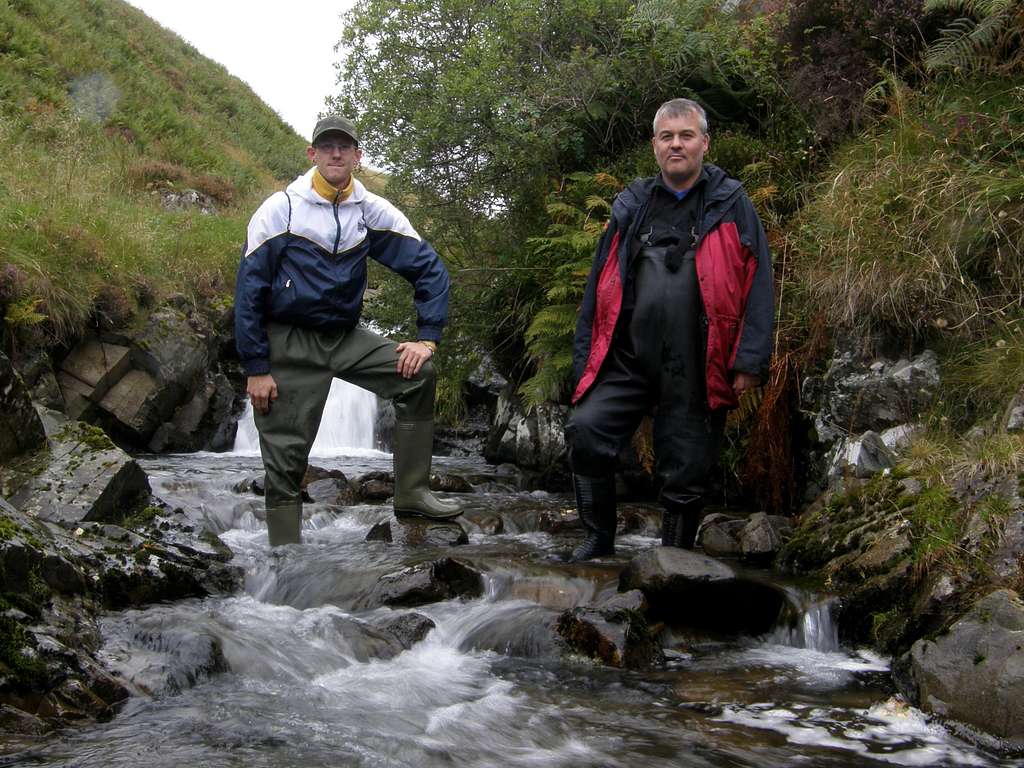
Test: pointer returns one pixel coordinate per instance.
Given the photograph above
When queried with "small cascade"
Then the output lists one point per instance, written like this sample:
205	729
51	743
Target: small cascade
347	423
806	622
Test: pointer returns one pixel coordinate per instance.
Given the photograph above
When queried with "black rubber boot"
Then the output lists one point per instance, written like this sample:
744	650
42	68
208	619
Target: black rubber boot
414	442
679	524
595	501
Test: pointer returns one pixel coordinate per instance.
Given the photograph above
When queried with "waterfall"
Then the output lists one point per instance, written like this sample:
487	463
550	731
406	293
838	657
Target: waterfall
347	423
806	622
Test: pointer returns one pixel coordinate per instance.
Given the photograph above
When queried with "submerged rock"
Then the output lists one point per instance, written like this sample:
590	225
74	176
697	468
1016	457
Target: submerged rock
442	579
416	533
409	628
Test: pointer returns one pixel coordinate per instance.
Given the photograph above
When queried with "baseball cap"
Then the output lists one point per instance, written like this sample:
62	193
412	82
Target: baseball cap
335	123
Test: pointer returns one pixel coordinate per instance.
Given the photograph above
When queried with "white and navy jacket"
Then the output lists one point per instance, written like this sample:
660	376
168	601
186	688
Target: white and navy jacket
304	263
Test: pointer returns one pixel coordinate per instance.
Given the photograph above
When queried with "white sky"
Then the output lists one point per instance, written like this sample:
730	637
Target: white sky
283	50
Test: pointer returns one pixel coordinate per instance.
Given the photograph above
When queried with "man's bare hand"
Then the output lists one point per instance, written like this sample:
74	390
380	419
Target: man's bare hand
411	357
262	391
741	382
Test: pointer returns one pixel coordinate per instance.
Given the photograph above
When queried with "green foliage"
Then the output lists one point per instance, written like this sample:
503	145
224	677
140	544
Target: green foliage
579	212
988	36
480	109
918	227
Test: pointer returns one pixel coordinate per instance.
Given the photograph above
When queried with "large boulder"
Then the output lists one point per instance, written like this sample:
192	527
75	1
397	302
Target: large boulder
82	476
21	429
974	673
688	589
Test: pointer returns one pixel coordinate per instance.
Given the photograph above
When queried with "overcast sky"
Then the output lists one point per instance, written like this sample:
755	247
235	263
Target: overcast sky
283	50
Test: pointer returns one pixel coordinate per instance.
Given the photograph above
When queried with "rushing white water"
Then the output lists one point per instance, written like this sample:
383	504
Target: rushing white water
347	423
809	624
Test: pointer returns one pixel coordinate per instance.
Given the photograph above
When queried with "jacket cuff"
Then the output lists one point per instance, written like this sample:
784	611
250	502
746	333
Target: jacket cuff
258	366
429	333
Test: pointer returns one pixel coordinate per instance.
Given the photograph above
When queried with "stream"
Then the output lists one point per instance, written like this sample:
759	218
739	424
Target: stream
306	683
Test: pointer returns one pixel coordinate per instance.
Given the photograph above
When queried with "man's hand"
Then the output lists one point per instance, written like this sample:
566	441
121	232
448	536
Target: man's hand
741	382
411	357
262	391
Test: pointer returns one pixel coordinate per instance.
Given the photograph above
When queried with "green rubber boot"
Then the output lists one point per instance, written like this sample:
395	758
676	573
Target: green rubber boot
284	524
414	443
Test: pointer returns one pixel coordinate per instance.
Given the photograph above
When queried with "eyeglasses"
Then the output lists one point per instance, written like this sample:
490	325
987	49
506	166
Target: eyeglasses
331	146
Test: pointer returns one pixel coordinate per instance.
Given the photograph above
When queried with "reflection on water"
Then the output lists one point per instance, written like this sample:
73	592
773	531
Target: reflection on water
313	682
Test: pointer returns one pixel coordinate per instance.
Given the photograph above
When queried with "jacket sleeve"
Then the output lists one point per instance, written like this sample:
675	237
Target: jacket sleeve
266	237
395	244
754	347
585	318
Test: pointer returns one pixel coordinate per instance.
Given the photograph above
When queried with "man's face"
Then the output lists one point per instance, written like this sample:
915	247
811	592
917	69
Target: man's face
335	156
679	147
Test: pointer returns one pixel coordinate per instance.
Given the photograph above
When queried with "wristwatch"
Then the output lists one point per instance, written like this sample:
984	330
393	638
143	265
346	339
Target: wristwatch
431	345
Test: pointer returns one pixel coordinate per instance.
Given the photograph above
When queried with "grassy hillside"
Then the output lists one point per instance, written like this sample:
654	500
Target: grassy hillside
100	109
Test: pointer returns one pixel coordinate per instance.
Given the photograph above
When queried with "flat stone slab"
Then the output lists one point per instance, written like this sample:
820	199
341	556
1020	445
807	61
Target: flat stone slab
98	365
129	400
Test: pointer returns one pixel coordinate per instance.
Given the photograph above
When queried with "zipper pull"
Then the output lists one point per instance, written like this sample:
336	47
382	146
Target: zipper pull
288	283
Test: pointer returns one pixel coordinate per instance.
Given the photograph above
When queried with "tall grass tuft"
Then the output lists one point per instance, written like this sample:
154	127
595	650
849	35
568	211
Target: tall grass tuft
920	226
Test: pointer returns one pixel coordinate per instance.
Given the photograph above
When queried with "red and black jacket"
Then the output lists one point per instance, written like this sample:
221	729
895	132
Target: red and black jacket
734	273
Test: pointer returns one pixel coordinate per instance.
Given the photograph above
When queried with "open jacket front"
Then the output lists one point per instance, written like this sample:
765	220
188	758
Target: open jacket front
734	273
304	263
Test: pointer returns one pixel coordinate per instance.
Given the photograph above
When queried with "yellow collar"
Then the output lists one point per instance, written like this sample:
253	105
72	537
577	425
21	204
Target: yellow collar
328	191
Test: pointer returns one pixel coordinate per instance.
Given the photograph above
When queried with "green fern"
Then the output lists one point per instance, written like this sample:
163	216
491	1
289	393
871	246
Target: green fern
578	214
988	36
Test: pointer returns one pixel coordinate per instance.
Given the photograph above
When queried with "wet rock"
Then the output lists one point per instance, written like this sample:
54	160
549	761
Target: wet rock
409	628
442	579
558	521
719	534
974	673
491	525
618	638
624	602
689	589
83	476
415	533
763	536
331	490
448	483
165	660
858	395
20	427
362	641
376	486
518	629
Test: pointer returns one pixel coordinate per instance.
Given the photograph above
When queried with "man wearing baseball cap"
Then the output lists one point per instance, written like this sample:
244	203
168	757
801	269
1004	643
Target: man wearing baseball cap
297	305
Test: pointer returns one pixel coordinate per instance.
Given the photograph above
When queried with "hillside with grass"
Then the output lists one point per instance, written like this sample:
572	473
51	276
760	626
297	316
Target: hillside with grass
103	113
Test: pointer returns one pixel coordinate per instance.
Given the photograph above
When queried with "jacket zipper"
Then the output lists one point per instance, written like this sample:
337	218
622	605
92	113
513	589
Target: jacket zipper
337	225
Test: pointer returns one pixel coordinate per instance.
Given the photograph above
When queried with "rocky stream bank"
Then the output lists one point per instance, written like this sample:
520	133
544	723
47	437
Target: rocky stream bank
94	555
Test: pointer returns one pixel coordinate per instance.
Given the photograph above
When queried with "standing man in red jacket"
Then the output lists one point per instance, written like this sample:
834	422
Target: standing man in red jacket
676	320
